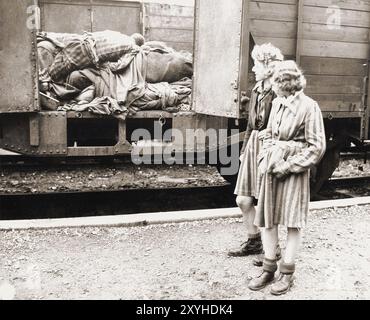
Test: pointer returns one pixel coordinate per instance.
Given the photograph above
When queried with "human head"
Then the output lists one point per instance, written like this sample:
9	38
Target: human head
265	58
288	79
139	39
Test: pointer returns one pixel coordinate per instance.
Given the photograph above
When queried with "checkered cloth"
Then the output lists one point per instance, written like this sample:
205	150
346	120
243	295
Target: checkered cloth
76	55
110	46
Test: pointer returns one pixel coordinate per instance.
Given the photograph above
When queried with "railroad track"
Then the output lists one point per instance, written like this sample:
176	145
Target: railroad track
130	201
60	204
118	202
346	187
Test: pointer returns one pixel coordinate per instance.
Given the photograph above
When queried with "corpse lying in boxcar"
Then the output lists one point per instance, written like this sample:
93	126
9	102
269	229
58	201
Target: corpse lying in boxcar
111	73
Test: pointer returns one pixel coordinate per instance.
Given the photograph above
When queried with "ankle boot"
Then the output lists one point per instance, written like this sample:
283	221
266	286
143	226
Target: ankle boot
285	279
252	246
266	277
258	261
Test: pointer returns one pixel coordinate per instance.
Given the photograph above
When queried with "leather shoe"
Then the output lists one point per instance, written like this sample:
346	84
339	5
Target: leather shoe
261	281
252	246
282	285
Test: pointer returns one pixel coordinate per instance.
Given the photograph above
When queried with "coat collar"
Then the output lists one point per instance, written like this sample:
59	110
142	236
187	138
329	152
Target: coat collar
290	102
260	89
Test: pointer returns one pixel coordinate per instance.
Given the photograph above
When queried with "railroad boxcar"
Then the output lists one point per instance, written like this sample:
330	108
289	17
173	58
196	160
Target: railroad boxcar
328	38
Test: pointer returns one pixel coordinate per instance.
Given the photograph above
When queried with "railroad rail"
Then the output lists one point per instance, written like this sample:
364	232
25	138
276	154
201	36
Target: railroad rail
117	202
346	187
130	201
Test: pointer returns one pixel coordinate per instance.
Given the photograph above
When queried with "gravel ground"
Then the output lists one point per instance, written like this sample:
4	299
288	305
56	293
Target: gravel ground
127	176
352	168
181	261
105	177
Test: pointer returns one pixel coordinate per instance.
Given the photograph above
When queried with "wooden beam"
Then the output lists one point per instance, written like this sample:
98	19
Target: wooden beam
365	120
300	8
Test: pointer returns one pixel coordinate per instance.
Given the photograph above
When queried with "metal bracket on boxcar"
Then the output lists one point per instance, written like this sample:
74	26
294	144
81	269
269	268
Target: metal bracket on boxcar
162	120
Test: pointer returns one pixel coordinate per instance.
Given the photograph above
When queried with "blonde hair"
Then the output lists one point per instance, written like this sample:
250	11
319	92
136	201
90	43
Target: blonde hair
289	77
266	53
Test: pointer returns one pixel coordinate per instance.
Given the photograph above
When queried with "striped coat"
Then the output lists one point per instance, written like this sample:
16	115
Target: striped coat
259	112
294	142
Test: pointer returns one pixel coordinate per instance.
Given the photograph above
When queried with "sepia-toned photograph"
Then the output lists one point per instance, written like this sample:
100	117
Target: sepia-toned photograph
199	152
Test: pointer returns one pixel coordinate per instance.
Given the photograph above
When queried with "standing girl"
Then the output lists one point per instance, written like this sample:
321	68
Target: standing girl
294	142
265	58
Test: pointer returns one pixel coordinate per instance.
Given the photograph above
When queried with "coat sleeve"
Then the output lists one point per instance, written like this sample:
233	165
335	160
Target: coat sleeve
316	144
247	135
267	140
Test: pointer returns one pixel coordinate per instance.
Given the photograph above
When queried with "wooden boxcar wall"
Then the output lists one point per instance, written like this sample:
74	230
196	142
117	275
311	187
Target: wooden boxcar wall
172	24
330	40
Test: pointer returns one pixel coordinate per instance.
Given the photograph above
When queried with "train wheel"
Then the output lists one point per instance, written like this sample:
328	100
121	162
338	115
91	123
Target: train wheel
229	178
324	170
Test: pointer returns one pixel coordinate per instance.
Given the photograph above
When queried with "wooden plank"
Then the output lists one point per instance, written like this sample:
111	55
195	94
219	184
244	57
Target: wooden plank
348	17
365	125
300	9
72	3
287	46
186	23
317	48
338	102
173	35
275	29
273	11
344	34
278	1
171	24
117	3
333	66
359	5
156	9
317	84
129	25
78	21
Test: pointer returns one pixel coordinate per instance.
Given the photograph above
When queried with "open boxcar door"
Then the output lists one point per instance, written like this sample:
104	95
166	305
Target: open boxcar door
220	57
18	60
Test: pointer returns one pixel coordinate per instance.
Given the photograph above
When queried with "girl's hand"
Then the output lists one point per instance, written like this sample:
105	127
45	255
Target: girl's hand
280	170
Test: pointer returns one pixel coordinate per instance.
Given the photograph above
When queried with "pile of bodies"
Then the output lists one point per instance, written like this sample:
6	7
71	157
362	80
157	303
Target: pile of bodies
111	73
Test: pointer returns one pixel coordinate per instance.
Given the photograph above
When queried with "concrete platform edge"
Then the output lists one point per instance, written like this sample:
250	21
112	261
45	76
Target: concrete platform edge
135	220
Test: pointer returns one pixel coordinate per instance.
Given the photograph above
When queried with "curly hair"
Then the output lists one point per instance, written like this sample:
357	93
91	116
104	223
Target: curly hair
289	77
266	53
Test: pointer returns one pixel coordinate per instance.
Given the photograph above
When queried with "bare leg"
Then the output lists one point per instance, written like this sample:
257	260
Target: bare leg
287	267
270	242
270	238
246	205
253	245
294	240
